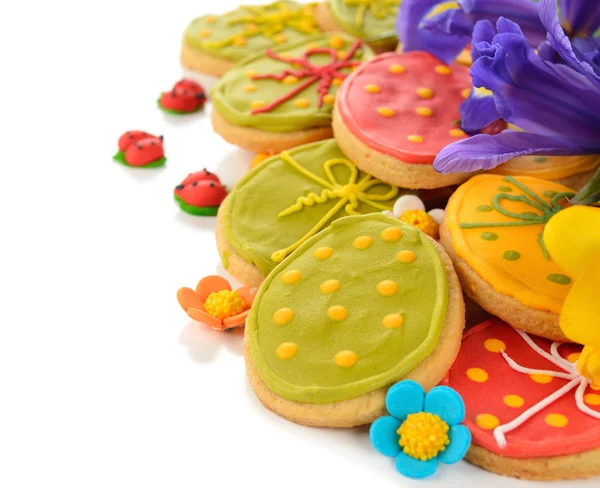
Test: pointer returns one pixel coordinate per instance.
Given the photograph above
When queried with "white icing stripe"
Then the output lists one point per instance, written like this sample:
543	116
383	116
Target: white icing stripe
572	374
521	369
499	432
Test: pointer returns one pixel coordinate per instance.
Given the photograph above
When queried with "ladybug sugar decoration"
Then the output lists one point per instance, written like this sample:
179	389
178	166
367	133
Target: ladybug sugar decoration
140	149
185	97
200	193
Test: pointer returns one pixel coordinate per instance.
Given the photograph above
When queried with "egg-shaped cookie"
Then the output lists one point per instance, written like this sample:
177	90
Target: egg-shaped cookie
213	44
283	97
287	199
363	304
396	112
493	231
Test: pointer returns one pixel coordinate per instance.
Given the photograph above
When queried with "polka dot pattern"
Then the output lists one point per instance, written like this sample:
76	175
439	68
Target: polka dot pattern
391	234
494	345
286	350
337	312
514	401
393	321
323	252
557	420
291	276
478	375
330	286
387	288
283	316
363	242
542	379
345	359
406	256
487	421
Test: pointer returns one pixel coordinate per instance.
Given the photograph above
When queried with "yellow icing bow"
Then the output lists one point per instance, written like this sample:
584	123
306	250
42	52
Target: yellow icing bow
349	194
572	238
380	9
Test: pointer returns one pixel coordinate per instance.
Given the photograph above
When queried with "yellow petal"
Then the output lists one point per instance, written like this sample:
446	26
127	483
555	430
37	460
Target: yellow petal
580	316
572	237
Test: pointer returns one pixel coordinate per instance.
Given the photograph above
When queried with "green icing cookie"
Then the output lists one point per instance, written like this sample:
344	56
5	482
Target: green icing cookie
268	91
288	198
250	29
354	309
366	19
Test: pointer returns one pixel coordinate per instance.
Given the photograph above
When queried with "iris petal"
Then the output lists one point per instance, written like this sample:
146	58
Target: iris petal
486	152
559	40
581	17
405	398
460	441
384	437
446	403
415	468
478	111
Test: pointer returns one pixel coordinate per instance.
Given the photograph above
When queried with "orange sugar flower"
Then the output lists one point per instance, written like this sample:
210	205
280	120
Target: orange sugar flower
214	303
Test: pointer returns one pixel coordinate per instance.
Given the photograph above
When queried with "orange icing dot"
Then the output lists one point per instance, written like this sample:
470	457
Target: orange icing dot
281	38
329	286
573	357
478	375
494	345
346	358
391	234
283	316
250	74
487	421
386	112
329	99
514	401
302	103
251	27
211	19
425	93
205	33
415	138
363	242
337	42
323	252
541	378
337	312
397	68
457	133
387	288
250	88
393	321
291	276
442	69
337	82
286	350
406	256
257	103
341	54
424	111
465	93
592	399
290	80
240	41
556	420
372	88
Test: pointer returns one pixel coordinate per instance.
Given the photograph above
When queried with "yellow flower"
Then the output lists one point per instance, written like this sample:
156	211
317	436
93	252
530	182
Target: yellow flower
572	238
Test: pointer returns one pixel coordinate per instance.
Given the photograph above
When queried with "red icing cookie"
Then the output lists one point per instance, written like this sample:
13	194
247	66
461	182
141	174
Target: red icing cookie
405	105
496	394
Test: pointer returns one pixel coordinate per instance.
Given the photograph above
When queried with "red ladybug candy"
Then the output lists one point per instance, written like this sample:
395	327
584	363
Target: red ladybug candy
186	96
131	137
190	85
200	176
200	193
145	151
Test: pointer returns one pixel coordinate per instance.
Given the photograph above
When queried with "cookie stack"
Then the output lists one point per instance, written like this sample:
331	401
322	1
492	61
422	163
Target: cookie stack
359	287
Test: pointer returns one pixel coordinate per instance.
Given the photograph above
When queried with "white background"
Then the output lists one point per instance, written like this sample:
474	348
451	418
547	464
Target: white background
104	382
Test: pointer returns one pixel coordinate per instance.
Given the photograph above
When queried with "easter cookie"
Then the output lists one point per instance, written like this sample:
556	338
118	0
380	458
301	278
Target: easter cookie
363	304
396	112
571	171
531	414
287	199
493	231
214	44
371	20
284	97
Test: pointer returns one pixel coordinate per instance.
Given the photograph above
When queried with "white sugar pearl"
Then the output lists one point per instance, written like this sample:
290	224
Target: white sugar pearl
408	202
437	214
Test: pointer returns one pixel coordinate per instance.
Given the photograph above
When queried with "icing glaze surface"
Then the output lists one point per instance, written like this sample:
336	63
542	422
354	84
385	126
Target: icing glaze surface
348	339
251	28
366	18
560	428
289	197
405	105
496	224
289	88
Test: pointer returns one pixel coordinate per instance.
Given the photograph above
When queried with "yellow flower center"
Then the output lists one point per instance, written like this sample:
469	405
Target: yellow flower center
423	435
422	221
223	304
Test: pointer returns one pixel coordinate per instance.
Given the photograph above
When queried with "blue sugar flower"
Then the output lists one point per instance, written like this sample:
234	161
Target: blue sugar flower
444	28
422	429
558	105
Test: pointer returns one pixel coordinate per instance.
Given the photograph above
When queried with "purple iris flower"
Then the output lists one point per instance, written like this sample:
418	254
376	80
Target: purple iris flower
556	104
444	28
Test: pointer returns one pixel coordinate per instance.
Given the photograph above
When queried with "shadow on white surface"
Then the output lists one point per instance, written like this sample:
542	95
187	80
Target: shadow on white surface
203	343
142	175
195	221
179	121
